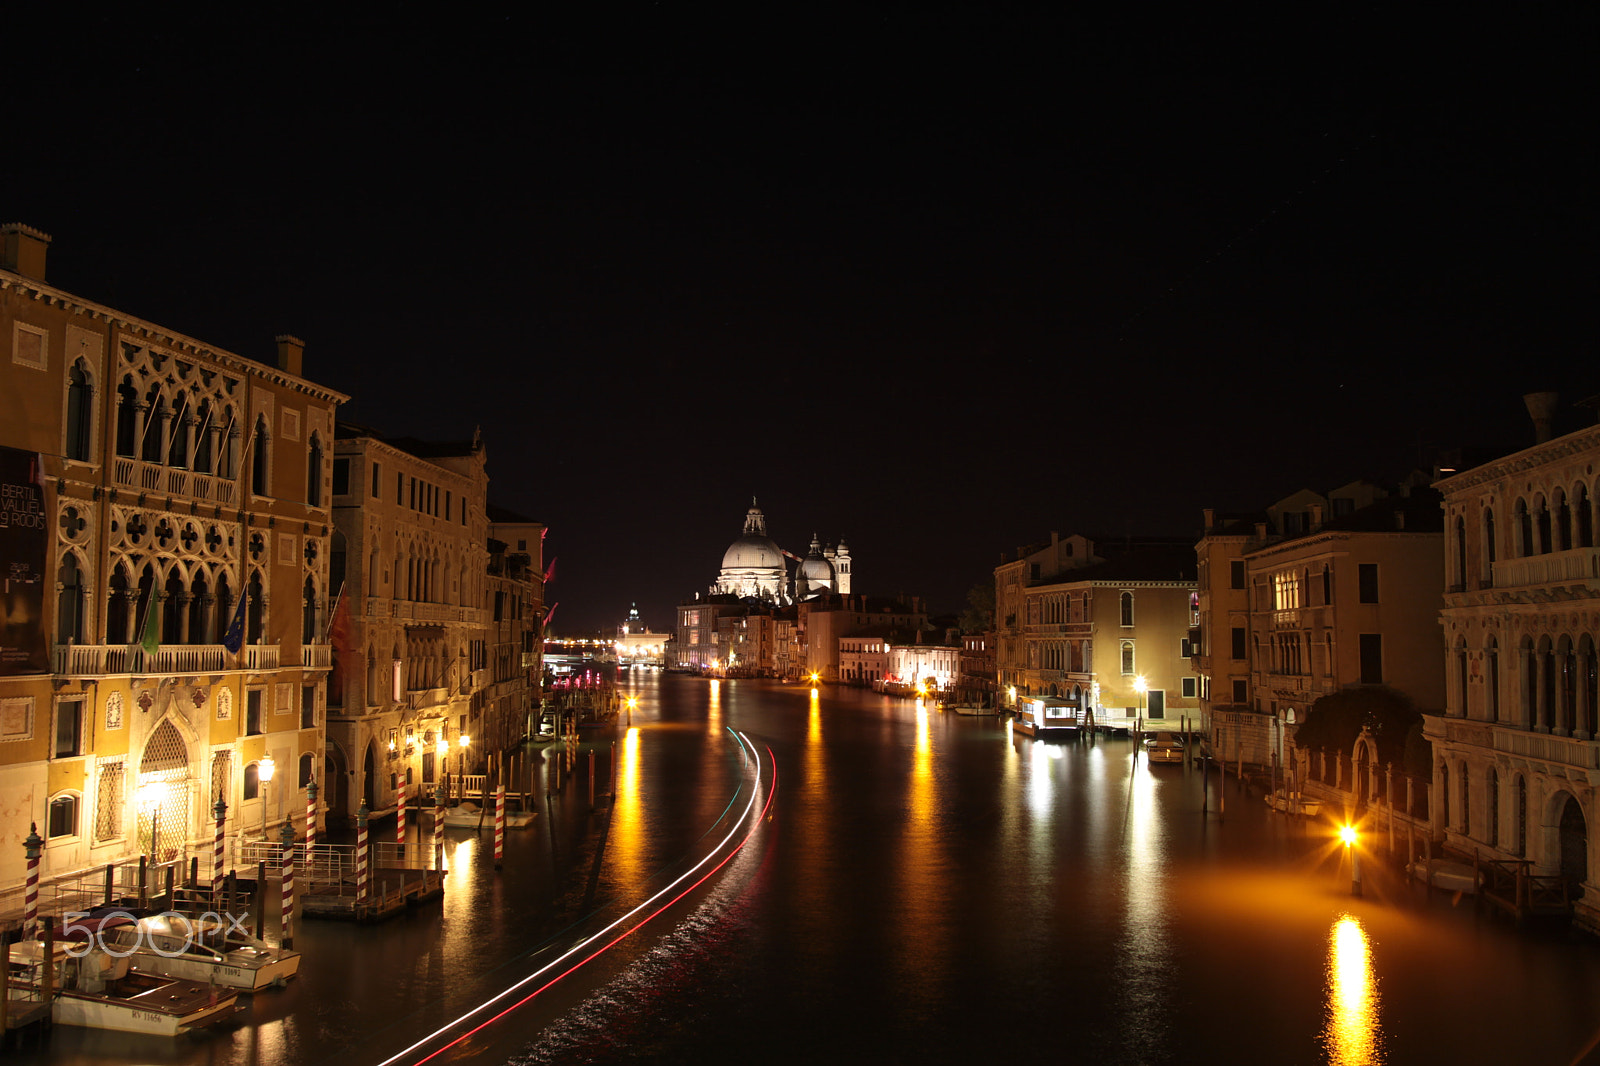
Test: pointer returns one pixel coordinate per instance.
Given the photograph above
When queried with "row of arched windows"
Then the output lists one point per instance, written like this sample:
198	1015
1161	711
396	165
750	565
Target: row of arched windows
1068	655
1541	524
195	604
183	432
1457	812
1555	687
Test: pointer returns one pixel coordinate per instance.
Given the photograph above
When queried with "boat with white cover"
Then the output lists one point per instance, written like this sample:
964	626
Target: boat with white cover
97	989
210	950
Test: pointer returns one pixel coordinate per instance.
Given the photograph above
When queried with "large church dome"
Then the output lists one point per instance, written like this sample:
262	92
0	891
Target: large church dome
753	565
752	552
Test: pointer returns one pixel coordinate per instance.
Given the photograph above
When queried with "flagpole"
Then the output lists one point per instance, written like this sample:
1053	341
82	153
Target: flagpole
327	630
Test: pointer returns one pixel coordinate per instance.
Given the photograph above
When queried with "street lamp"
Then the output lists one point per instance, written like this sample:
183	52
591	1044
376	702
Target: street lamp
265	769
1141	686
633	701
150	803
1347	833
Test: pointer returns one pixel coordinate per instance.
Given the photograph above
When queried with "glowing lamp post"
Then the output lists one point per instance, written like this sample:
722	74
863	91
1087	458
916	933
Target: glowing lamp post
1347	833
150	803
1141	686
633	701
266	768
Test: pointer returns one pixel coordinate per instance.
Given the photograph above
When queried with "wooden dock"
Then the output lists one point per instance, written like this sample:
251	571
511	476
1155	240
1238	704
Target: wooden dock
1511	886
390	892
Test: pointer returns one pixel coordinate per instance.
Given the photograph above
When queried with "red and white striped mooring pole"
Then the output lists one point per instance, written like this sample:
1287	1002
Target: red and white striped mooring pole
361	850
30	894
219	811
311	820
438	826
400	822
499	824
286	917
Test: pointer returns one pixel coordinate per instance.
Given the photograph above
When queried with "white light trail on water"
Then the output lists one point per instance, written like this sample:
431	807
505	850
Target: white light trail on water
755	794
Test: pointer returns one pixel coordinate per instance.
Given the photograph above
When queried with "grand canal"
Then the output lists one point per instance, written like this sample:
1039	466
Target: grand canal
912	885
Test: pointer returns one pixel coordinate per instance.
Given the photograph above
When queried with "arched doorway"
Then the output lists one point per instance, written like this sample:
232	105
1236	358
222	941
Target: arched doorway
163	794
1361	763
1574	847
336	784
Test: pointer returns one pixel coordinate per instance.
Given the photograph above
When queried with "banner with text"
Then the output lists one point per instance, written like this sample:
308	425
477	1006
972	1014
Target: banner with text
24	554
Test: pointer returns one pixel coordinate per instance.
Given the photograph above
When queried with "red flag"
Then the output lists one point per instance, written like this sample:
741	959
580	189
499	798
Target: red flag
339	637
550	572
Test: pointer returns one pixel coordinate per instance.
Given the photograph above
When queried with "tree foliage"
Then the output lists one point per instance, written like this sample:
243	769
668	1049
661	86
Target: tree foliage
979	614
1336	720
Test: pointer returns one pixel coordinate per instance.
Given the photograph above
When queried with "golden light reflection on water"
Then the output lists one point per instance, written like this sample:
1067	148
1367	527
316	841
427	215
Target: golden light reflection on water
923	876
625	843
1354	1033
714	708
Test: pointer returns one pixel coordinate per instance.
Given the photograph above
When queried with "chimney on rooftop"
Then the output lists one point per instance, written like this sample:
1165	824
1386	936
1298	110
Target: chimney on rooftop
291	354
22	250
1211	518
1542	409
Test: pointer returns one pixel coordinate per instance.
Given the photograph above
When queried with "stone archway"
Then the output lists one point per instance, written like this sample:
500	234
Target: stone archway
162	794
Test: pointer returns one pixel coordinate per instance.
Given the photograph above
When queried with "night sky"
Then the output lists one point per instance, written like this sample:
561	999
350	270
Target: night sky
936	279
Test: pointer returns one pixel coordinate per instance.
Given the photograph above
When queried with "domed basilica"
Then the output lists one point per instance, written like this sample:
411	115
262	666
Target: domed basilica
754	567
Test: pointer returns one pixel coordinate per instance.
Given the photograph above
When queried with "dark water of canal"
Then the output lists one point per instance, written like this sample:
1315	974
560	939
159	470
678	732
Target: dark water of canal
924	887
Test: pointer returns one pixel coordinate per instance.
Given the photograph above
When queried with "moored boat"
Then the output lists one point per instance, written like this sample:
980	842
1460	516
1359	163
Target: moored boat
1296	804
208	950
97	989
1163	748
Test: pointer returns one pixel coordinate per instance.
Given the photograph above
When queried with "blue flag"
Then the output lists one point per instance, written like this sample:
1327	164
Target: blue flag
233	639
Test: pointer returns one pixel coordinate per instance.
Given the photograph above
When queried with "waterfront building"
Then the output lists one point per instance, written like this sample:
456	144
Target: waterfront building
826	620
864	656
1316	594
788	643
697	632
505	706
976	682
1092	622
918	662
444	615
637	644
167	541
1516	750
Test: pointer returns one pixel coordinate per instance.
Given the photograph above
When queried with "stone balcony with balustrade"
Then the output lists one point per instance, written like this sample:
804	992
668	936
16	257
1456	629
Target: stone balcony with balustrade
171	481
101	660
1575	566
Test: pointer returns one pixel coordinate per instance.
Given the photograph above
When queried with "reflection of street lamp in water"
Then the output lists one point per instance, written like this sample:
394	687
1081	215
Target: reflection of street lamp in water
265	770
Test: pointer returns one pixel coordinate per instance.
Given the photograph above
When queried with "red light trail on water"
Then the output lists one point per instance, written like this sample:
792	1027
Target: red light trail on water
743	818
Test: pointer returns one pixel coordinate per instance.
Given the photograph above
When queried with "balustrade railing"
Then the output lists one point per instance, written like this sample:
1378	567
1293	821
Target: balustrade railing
89	660
1565	751
316	656
133	473
260	656
1576	564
